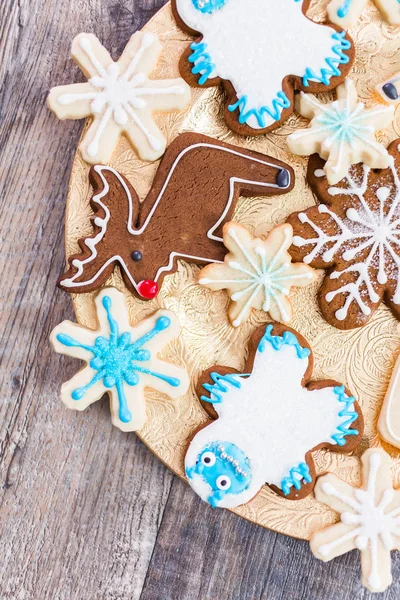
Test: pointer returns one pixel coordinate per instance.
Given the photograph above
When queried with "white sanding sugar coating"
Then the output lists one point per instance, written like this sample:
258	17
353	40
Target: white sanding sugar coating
272	419
255	44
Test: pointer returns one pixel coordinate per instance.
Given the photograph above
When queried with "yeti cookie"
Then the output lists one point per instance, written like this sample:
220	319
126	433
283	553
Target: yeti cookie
119	97
355	234
341	132
257	273
194	192
369	519
269	423
262	51
120	360
346	13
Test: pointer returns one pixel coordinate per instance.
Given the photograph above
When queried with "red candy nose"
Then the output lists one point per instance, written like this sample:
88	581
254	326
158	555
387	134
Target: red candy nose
148	289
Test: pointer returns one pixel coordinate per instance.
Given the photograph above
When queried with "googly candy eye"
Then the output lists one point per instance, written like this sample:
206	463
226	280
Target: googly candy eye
223	482
208	459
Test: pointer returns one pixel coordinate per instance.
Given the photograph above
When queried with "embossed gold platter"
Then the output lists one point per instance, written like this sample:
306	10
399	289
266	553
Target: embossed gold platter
362	358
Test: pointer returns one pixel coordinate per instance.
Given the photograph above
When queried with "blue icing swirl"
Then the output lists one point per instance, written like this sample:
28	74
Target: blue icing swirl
221	386
208	6
225	468
333	63
278	342
118	360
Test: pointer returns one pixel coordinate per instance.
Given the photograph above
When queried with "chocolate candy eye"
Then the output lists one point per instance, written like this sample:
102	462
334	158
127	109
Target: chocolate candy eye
223	482
136	256
208	459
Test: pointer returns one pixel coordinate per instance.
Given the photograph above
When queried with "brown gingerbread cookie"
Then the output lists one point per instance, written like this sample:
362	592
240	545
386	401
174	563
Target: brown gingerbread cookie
355	234
268	423
262	52
194	193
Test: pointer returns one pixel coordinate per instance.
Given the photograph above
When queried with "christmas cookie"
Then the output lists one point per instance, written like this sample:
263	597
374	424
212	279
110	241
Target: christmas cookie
346	13
341	132
120	360
119	97
389	91
262	52
268	423
355	234
257	273
369	519
194	192
389	420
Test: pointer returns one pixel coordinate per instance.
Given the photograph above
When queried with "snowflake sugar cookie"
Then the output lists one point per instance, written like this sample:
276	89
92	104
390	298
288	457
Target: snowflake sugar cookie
370	519
257	273
261	51
355	233
121	360
119	96
341	132
346	13
268	423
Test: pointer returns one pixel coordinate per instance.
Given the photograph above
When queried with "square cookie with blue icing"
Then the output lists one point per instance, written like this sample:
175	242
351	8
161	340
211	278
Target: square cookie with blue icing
268	424
262	52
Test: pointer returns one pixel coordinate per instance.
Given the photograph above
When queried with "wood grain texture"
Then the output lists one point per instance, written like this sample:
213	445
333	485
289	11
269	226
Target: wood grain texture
87	512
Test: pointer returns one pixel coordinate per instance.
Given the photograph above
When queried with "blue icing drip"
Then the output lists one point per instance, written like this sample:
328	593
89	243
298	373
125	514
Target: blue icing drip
278	104
332	71
221	386
343	10
278	342
292	481
226	469
202	61
344	429
115	359
208	6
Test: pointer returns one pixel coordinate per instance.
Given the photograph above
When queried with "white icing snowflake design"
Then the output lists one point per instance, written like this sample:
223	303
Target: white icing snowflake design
341	132
357	231
119	96
257	273
370	519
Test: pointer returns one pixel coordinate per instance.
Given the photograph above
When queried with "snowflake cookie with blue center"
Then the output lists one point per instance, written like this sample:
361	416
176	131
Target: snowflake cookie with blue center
121	360
369	519
262	51
341	132
346	13
119	96
268	423
257	273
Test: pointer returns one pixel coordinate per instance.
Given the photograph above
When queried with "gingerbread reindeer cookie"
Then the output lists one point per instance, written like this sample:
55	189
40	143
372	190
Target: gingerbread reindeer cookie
269	423
262	51
354	233
194	192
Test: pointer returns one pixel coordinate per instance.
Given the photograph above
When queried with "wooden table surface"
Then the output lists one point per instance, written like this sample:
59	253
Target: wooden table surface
87	512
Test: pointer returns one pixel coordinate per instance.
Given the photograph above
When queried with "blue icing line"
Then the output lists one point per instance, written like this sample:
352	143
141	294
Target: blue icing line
114	359
292	481
221	386
344	429
333	71
278	342
202	61
278	104
343	10
208	6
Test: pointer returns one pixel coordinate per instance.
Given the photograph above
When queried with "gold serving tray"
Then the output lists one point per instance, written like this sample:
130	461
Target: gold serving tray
362	358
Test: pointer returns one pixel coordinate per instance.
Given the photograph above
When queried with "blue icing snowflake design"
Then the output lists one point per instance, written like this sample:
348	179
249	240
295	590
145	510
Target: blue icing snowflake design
118	360
278	342
208	6
224	467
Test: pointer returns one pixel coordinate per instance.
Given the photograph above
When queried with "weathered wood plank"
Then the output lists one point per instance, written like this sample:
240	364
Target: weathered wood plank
80	501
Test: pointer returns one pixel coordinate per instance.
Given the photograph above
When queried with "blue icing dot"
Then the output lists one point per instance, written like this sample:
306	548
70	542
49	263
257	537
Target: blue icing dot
225	468
208	6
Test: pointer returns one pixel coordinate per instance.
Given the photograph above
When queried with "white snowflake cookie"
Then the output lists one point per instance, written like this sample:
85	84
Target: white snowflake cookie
341	132
257	273
120	360
119	97
346	13
369	519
